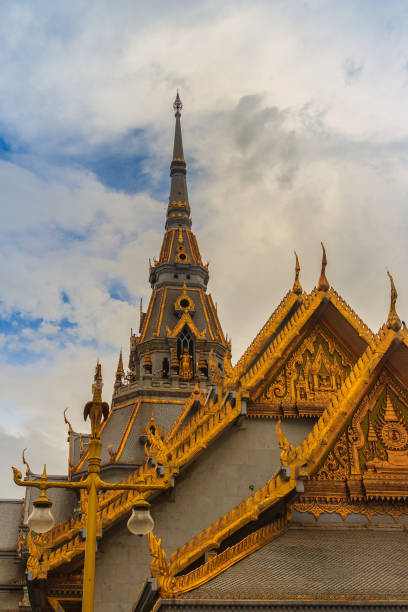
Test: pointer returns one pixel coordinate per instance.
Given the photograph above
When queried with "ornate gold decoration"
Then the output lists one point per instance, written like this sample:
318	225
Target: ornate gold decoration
323	284
35	545
159	567
155	446
181	254
335	466
120	372
174	362
147	361
288	450
184	302
216	373
64	542
96	409
185	319
313	373
262	364
297	287
186	365
195	397
393	321
344	509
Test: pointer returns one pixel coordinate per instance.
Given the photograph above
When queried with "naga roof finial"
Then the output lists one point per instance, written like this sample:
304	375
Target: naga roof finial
323	282
393	321
178	105
297	287
28	471
67	422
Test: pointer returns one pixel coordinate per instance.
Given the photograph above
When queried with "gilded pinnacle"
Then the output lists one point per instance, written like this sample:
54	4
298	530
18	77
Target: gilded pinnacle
297	287
178	105
323	284
393	321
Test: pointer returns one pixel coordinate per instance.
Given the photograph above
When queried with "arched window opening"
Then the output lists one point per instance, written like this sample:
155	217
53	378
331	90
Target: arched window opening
165	367
185	354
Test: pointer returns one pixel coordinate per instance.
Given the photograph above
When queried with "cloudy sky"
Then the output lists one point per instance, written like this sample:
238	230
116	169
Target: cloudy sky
295	131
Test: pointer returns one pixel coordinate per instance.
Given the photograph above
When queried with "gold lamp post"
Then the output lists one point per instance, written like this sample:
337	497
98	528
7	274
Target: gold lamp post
41	519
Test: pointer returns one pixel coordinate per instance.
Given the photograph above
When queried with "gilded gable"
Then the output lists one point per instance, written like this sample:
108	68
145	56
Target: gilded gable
311	375
369	460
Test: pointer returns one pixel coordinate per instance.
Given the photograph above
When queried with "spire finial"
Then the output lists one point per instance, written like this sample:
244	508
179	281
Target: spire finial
120	372
297	287
178	210
393	321
96	409
177	105
323	282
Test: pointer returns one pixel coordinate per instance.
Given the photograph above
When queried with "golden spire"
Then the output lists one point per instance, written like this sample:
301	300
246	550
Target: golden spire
120	372
297	287
98	383
323	282
393	321
389	413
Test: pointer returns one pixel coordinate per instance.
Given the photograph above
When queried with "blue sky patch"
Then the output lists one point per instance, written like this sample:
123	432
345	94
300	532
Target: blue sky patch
119	291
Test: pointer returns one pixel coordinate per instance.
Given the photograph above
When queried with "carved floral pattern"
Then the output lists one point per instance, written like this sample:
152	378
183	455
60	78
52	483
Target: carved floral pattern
313	373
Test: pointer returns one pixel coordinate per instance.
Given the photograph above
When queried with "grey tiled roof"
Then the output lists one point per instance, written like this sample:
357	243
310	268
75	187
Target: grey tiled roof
10	519
164	414
320	562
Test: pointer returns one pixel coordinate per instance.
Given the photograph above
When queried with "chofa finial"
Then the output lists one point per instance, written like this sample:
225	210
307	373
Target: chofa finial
67	422
178	105
393	321
323	282
297	287
28	471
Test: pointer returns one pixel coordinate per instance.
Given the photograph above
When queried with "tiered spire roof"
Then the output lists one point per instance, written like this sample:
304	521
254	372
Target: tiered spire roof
178	212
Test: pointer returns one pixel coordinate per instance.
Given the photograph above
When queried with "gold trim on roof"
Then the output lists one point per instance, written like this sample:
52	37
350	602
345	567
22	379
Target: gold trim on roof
305	458
172	586
147	317
62	543
217	322
323	284
393	321
161	310
127	431
262	336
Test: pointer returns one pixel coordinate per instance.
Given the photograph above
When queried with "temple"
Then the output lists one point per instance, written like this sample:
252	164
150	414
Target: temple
289	469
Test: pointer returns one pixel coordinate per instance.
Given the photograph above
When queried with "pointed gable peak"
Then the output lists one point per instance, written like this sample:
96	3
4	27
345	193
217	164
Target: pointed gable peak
323	282
297	287
393	321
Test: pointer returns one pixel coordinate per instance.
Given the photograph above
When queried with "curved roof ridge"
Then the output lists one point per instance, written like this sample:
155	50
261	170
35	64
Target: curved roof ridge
264	333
